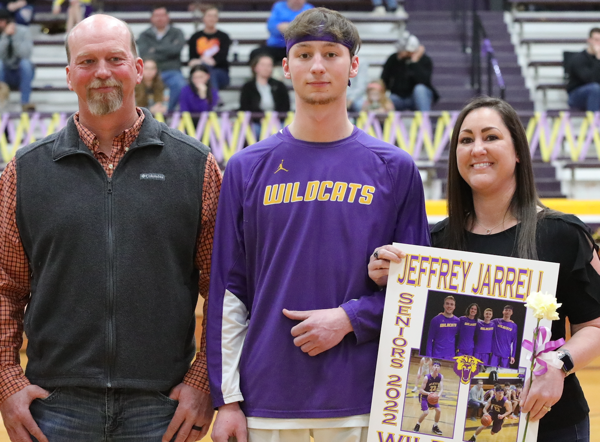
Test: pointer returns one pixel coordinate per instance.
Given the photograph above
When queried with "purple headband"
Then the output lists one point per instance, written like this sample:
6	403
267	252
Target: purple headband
320	37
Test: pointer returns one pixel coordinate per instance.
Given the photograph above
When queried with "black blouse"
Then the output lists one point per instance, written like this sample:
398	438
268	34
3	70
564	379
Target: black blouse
566	240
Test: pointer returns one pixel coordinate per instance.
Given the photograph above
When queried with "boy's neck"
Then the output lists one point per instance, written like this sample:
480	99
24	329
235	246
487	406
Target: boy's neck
321	123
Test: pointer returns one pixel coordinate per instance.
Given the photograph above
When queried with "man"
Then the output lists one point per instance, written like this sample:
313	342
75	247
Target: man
498	408
16	67
432	383
407	75
516	398
476	398
294	323
163	43
210	47
106	236
441	339
484	332
584	75
465	340
504	342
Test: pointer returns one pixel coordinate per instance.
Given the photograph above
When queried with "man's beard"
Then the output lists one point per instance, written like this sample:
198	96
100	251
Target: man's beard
104	103
318	101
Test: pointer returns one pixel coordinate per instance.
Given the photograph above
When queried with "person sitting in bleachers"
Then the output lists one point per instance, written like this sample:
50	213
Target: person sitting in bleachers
150	93
263	93
21	10
376	100
282	13
379	9
76	11
16	47
407	75
198	96
584	75
163	43
210	47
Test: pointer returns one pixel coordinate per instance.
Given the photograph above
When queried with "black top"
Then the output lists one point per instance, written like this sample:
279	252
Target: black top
402	75
201	41
250	97
566	240
584	68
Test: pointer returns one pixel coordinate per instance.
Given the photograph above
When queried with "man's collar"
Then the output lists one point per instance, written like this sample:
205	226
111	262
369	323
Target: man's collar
157	32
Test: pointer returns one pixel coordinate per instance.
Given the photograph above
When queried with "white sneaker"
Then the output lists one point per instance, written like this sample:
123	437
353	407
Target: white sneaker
379	10
414	390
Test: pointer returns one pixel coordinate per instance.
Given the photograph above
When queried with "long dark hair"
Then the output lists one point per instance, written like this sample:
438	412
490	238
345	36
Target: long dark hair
468	310
524	203
158	89
203	68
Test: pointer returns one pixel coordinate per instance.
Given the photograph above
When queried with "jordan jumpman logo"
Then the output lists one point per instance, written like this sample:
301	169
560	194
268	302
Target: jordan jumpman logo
281	167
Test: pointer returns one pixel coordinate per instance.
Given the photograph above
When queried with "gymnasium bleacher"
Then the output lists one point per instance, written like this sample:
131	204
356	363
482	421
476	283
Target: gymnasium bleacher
527	45
528	39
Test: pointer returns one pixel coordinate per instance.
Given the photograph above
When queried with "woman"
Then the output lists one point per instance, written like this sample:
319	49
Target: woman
263	93
199	95
150	93
493	208
466	330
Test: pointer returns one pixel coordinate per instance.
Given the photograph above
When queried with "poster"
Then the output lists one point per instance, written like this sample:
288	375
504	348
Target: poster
429	297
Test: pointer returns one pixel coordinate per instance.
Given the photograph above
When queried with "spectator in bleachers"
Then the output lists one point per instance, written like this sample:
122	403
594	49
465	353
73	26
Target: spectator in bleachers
584	75
407	75
199	95
150	93
379	9
21	10
263	93
282	14
376	100
210	47
476	401
76	11
16	47
357	92
163	43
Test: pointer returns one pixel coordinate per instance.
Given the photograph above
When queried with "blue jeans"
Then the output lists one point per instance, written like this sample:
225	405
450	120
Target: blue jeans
103	414
586	97
175	81
219	78
575	433
391	4
420	100
20	77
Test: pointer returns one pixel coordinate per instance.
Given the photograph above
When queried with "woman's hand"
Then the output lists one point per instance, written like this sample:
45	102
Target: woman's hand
545	391
379	263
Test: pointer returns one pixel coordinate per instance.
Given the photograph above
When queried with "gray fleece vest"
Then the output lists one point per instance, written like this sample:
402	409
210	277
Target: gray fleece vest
113	281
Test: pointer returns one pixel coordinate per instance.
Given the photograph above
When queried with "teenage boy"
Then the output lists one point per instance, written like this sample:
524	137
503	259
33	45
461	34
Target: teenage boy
504	342
484	332
432	383
498	408
294	325
441	340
